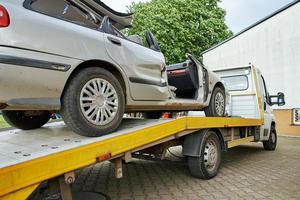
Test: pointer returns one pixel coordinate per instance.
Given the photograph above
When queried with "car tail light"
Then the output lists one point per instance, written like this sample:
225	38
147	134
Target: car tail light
4	17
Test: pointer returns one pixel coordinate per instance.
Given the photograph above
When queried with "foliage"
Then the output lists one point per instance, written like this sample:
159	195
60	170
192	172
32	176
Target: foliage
181	26
3	124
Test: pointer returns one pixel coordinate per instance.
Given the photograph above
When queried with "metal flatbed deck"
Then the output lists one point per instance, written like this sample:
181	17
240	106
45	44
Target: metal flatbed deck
28	158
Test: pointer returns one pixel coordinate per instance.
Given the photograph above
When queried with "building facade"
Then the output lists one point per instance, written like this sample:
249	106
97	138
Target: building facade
272	45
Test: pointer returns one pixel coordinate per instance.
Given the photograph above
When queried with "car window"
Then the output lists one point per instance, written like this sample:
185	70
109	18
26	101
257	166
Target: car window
236	83
63	9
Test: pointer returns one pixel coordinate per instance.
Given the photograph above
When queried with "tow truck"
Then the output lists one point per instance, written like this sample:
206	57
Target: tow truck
52	154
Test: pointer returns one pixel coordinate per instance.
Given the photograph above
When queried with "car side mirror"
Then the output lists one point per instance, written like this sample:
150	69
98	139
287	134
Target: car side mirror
278	99
152	42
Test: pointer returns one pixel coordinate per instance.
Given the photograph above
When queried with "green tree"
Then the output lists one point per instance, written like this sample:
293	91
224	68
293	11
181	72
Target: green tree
181	26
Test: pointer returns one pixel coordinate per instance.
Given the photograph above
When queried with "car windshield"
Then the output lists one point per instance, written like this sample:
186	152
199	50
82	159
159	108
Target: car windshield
236	83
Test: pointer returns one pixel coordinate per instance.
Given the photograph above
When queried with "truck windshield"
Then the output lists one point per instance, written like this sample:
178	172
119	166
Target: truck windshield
236	83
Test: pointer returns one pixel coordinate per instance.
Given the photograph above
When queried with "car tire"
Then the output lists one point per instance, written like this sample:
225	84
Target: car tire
216	107
93	102
271	144
26	120
152	115
207	164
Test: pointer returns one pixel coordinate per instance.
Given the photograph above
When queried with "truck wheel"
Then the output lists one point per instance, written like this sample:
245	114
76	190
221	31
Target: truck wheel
152	115
207	165
93	103
271	144
216	107
26	120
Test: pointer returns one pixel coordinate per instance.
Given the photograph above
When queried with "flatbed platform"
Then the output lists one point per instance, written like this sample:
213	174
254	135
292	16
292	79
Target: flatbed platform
28	158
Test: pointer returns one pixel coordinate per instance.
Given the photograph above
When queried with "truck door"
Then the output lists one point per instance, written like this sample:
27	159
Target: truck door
266	107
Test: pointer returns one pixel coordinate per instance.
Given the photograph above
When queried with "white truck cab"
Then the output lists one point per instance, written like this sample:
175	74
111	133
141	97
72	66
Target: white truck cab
249	98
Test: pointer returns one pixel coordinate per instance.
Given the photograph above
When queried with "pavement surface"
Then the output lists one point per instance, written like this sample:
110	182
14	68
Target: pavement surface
247	172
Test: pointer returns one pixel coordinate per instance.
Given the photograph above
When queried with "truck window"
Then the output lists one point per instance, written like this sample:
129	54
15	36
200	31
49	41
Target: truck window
65	10
236	83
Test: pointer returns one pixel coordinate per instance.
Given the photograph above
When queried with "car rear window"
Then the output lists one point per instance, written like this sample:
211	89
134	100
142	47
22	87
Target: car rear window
65	10
236	83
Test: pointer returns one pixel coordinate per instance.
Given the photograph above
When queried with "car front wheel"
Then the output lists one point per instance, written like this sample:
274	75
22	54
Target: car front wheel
217	104
93	103
26	120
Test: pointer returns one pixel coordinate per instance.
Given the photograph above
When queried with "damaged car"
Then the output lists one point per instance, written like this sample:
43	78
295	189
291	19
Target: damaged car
69	56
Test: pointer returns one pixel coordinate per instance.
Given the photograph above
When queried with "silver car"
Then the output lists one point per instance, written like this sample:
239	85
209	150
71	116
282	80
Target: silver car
69	56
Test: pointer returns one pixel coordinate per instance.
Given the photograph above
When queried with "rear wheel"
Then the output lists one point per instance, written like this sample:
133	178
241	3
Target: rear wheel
206	166
271	144
26	120
217	104
93	103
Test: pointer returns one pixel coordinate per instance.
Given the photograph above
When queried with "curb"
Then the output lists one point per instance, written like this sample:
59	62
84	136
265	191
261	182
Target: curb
289	136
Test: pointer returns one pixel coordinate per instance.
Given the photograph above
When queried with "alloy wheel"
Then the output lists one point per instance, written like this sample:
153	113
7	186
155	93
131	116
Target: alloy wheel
99	101
219	104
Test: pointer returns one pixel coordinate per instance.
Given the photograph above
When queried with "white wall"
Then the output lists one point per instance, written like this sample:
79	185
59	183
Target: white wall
274	47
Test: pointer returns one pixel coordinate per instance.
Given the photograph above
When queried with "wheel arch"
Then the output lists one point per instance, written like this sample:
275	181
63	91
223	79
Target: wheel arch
192	142
101	64
218	84
221	138
273	123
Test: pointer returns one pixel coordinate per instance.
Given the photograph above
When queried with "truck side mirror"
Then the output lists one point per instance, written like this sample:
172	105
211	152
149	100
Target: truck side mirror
277	99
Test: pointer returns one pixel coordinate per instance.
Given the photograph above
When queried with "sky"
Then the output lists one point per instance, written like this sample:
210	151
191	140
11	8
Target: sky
243	13
240	13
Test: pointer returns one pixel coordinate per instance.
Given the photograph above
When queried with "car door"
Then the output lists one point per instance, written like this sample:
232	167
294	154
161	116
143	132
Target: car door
144	67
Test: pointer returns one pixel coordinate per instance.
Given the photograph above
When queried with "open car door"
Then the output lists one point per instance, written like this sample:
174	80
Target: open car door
190	79
203	78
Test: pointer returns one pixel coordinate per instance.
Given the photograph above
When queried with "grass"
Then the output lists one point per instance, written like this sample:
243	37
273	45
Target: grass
3	124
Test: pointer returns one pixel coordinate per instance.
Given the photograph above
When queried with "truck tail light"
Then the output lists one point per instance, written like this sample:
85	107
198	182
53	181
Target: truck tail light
4	17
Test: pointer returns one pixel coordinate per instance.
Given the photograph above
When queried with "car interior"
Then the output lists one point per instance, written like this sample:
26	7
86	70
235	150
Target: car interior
184	76
136	38
152	43
107	27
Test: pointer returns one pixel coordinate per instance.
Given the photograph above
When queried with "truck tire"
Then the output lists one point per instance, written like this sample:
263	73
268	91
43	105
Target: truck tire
93	102
271	144
152	115
216	107
26	120
206	166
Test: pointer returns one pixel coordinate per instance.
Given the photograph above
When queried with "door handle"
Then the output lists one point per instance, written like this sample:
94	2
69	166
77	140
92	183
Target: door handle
114	41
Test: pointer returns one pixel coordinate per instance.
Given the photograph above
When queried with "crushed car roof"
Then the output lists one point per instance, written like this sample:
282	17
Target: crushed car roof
120	20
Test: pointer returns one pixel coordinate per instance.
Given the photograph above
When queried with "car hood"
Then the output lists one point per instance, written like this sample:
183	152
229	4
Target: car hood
120	20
